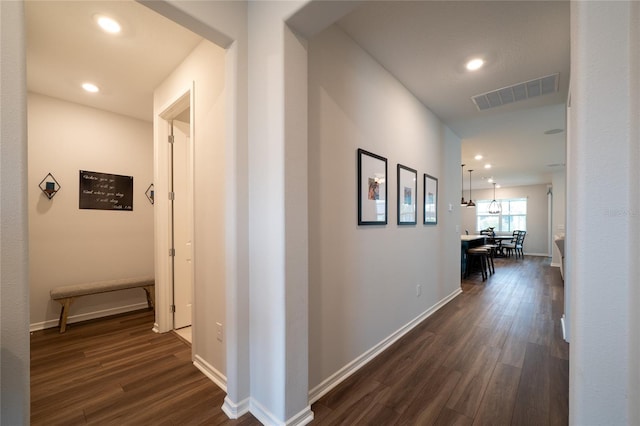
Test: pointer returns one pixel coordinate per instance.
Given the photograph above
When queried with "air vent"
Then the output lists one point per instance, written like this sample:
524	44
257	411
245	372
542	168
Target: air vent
517	92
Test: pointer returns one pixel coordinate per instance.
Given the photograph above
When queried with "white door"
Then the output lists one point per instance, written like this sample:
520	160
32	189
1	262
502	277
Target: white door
182	217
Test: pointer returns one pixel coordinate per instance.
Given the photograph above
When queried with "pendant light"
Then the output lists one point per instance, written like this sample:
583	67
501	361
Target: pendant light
463	203
494	207
470	203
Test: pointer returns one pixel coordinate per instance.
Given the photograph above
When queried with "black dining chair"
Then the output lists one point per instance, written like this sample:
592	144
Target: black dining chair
508	246
520	244
516	245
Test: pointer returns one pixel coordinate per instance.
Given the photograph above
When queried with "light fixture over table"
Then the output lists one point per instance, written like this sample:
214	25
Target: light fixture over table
470	203
463	203
494	207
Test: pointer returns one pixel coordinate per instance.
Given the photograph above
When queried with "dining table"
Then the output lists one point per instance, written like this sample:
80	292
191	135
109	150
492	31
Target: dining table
499	239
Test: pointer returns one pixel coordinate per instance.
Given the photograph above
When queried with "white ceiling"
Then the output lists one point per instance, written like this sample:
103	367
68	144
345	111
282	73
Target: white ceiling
424	44
65	48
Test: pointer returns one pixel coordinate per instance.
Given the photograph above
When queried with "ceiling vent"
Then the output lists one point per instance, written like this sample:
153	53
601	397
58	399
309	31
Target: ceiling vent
517	92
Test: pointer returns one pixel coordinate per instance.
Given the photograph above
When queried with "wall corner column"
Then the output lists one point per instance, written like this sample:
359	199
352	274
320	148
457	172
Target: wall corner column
14	281
278	218
602	176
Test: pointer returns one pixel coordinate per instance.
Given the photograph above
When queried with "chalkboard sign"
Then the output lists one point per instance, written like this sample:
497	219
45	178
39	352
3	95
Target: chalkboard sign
103	191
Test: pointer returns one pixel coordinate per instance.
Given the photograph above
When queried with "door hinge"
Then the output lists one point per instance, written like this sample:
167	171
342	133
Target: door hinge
171	138
172	308
172	252
172	196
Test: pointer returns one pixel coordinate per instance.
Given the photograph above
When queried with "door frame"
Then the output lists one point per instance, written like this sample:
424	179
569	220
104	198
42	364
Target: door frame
180	100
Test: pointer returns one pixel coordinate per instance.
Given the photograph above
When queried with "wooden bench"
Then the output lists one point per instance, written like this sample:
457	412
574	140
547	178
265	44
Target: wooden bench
66	294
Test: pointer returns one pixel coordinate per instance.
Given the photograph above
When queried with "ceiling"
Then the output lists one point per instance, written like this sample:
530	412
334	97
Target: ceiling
65	48
424	44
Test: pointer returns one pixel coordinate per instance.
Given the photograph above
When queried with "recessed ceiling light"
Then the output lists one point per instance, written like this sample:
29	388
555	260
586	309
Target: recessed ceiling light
90	87
497	186
109	25
475	64
490	180
478	157
487	166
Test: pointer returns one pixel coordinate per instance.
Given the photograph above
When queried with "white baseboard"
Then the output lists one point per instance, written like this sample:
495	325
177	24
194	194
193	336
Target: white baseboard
210	371
265	417
564	331
346	371
555	265
233	410
538	254
302	418
88	316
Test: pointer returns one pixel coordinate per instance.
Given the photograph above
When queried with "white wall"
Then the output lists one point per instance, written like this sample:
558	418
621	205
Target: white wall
14	290
362	280
204	68
634	206
69	245
537	239
603	209
225	23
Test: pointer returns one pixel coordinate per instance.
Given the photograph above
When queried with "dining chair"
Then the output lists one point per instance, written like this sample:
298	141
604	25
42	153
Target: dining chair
508	246
489	235
516	245
520	244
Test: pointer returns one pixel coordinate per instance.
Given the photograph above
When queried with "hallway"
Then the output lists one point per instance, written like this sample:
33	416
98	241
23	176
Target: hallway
494	355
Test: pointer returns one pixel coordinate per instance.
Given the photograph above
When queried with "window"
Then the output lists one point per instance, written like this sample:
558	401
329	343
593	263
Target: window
513	216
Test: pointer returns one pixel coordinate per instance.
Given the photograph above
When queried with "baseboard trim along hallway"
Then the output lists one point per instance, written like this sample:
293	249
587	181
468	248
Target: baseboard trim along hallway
355	365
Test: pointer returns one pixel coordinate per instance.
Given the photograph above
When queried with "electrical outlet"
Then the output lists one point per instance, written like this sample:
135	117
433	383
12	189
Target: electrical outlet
219	331
418	290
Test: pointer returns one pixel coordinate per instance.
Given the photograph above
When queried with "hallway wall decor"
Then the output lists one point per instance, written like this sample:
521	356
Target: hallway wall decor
104	191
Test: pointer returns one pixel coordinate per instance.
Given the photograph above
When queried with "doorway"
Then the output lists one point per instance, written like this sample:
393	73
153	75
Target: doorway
176	120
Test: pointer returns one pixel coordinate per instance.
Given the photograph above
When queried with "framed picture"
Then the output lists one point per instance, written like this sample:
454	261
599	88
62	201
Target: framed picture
430	200
372	189
407	193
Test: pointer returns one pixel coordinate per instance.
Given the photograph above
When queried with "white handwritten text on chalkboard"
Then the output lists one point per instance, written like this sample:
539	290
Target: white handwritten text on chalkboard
103	191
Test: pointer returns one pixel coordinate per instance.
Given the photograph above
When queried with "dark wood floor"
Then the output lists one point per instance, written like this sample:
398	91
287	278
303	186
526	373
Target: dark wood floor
117	371
494	356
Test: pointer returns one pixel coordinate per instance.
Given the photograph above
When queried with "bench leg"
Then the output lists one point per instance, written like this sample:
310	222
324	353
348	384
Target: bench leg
64	312
151	295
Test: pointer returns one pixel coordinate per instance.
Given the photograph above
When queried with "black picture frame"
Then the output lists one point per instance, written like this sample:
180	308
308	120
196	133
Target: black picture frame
372	189
407	195
430	208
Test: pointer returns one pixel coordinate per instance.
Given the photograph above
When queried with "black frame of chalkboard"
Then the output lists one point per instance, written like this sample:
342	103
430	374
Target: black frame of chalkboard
105	191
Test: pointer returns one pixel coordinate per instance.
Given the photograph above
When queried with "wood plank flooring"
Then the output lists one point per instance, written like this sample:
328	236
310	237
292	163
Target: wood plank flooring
117	371
492	356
